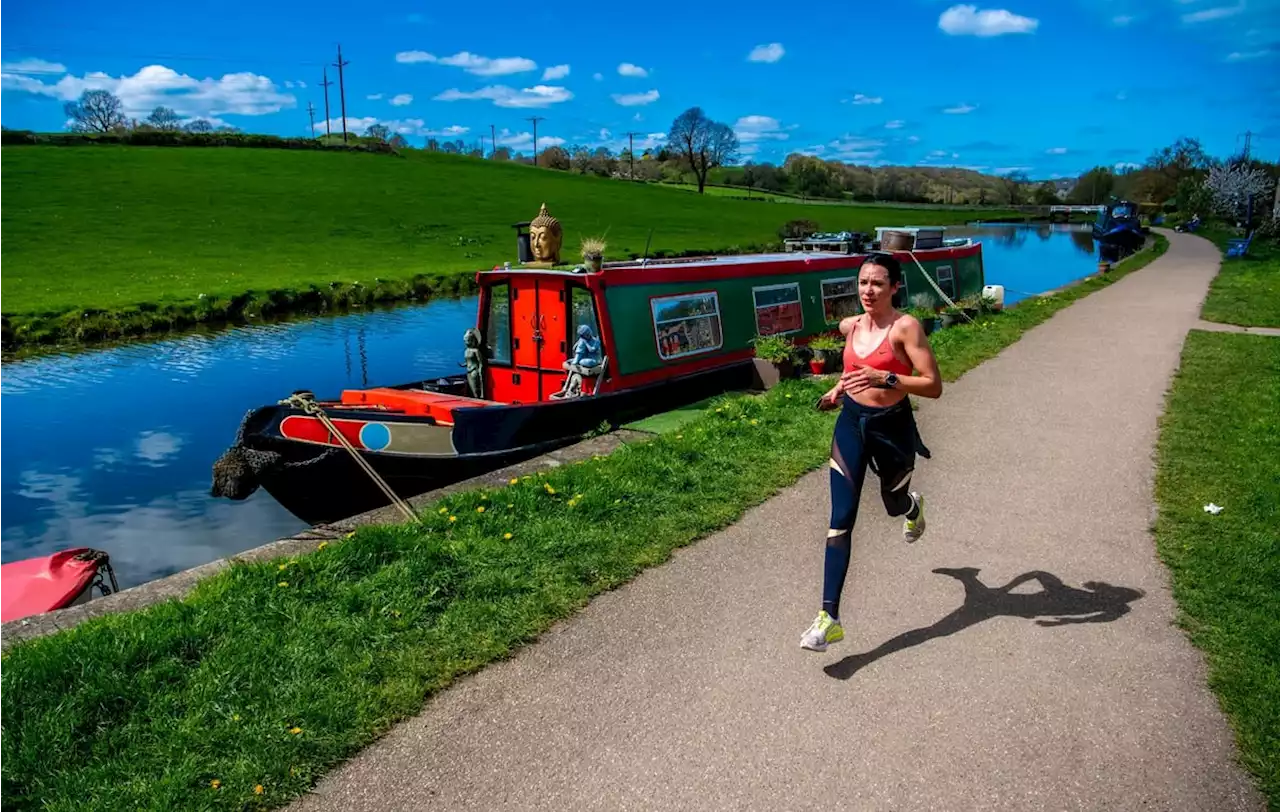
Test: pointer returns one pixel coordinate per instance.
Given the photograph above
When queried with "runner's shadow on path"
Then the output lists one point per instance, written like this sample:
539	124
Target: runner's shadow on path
1098	602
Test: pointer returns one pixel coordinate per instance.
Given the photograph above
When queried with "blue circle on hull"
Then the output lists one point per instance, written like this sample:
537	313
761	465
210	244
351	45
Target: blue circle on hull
375	436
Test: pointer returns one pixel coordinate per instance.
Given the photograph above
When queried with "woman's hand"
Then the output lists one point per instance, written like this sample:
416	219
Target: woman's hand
830	400
862	377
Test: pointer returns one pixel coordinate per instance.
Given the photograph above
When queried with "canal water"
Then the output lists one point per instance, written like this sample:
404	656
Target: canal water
112	448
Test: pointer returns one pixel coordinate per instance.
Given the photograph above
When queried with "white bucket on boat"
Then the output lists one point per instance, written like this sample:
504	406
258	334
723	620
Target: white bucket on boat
995	292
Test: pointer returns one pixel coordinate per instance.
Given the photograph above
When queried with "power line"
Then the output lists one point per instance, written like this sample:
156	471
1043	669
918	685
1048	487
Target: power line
311	111
342	93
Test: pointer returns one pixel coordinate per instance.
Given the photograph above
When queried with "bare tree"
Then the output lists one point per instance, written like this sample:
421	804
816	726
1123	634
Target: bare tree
378	132
701	143
164	118
97	111
199	125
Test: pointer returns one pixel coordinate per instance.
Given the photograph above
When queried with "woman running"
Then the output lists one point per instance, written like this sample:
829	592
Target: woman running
883	347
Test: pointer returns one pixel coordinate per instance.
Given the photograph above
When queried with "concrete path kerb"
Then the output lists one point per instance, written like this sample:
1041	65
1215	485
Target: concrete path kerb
1021	656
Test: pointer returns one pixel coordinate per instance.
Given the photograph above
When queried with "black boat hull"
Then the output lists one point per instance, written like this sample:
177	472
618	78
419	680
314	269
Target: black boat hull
321	484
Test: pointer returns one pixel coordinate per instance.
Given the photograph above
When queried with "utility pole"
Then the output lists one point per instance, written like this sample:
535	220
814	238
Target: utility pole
328	129
342	93
535	120
1248	137
631	155
311	111
493	137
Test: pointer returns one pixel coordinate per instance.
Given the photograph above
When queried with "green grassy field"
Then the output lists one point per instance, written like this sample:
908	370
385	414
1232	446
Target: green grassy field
270	673
109	227
1220	443
1246	290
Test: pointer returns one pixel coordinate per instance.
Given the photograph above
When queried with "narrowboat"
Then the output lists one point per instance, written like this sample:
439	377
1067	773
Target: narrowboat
555	354
66	578
1119	225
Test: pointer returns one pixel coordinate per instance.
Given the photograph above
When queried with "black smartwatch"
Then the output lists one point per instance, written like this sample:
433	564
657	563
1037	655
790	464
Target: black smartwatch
891	381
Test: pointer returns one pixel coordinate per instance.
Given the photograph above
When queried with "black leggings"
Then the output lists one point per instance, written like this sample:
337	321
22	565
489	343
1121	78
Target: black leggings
886	439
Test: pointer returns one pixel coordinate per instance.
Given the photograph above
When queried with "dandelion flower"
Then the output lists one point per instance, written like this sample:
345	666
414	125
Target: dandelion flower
515	480
258	789
322	545
510	504
215	783
283	567
550	489
235	717
453	518
350	535
283	583
443	511
480	509
755	422
295	730
507	536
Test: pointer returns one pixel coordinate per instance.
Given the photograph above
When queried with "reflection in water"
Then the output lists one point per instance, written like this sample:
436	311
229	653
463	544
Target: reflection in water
112	448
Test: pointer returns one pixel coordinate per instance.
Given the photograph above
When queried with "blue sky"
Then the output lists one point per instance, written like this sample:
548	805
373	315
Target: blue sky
1050	88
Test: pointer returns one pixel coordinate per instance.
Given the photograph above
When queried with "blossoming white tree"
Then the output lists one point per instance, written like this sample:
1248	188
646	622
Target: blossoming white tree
1231	187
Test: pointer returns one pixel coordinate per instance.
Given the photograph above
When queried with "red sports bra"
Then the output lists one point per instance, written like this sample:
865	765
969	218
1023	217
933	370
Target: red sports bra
882	357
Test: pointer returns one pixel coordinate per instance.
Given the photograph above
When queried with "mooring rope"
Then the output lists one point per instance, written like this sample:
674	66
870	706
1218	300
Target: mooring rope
934	285
307	404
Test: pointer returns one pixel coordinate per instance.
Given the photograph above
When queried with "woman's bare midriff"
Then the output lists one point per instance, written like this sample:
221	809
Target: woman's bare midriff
875	397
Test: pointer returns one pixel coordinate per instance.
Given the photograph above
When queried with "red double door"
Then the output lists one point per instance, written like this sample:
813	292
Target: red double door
539	336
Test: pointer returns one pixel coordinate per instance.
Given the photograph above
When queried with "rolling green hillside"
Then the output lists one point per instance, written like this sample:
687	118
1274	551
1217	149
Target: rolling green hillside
111	227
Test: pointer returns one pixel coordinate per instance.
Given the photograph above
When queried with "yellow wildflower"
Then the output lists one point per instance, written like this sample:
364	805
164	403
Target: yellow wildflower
215	783
755	422
507	536
322	545
550	489
283	567
453	518
514	481
258	789
295	730
510	504
350	535
235	717
480	509
484	497
283	583
443	511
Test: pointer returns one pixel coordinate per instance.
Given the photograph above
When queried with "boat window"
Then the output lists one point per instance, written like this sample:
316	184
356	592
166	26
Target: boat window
946	280
582	310
687	324
778	309
497	325
840	298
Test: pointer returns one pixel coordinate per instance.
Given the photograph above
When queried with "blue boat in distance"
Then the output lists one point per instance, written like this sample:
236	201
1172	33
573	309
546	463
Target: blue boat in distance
1119	225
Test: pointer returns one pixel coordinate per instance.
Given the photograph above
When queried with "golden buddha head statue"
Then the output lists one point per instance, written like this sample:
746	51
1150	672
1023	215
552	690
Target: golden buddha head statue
545	237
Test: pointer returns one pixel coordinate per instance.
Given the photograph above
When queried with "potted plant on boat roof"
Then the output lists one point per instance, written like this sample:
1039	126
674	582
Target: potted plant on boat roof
775	359
826	350
593	253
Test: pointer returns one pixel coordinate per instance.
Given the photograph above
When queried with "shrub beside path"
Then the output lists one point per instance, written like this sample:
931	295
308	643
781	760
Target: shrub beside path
1022	655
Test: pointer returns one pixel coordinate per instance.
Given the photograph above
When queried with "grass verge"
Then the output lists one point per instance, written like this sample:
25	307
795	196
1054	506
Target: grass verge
107	241
1220	443
241	695
1246	290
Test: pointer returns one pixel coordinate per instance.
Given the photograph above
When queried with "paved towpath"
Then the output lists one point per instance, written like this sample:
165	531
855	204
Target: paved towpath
687	689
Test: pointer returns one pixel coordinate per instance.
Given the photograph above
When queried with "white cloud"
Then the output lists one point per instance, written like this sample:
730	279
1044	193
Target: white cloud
896	124
605	135
555	72
400	100
634	71
374	97
157	447
638	117
759	128
472	63
1245	56
411	57
860	98
358	125
298	85
1056	151
938	153
960	109
969	21
452	131
1218	13
636	99
33	66
244	94
914	139
523	141
767	53
503	96
1126	165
